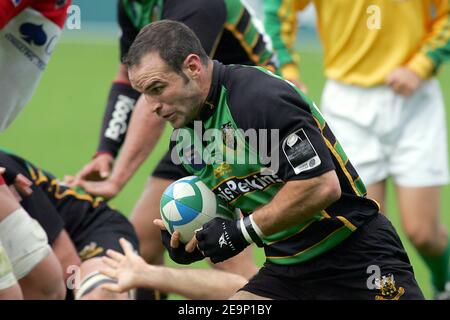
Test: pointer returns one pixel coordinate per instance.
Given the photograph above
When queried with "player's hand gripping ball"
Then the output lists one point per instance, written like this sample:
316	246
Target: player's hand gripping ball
187	204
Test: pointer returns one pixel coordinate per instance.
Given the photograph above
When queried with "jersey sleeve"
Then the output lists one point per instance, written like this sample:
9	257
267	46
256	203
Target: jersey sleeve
298	147
205	17
280	22
127	29
435	48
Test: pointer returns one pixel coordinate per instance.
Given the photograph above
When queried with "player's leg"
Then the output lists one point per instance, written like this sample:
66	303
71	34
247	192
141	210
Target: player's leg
25	242
67	255
107	226
92	280
419	166
45	281
377	191
356	119
420	213
9	288
146	210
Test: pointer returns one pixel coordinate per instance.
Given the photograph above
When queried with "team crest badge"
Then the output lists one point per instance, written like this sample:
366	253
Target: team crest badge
388	289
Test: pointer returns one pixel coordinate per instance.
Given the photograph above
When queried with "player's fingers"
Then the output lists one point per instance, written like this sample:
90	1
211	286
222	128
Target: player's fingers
104	169
117	256
91	187
160	224
396	86
175	240
191	245
109	272
126	246
112	287
2	170
23	184
110	262
22	180
83	173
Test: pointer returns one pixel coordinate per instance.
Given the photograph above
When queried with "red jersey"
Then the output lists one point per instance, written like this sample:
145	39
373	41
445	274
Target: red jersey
53	10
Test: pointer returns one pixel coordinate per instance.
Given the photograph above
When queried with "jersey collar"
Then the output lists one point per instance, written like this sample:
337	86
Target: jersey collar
209	107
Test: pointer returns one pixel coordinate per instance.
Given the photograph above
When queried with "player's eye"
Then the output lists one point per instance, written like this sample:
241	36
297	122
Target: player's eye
156	90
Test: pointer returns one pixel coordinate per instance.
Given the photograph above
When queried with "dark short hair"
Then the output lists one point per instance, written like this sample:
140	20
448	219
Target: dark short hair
173	40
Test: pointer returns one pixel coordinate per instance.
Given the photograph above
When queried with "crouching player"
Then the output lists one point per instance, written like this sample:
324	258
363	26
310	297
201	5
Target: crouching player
79	227
29	29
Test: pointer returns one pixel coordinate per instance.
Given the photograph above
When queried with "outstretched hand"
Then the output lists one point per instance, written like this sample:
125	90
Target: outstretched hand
125	268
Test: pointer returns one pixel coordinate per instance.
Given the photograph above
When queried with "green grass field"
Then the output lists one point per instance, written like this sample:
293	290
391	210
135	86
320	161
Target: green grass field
59	128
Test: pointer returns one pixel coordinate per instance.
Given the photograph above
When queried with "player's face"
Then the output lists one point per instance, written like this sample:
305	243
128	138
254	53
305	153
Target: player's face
174	97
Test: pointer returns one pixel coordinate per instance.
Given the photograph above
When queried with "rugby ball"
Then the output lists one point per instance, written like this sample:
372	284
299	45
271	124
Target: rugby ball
187	204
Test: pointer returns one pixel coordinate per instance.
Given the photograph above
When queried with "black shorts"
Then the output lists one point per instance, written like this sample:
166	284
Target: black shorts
351	270
166	169
104	233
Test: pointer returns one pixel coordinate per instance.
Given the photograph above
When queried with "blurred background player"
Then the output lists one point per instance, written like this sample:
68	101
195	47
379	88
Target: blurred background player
29	30
384	104
80	228
226	32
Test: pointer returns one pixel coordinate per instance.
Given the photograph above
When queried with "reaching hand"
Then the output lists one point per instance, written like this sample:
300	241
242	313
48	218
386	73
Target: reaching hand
97	170
107	189
123	268
21	183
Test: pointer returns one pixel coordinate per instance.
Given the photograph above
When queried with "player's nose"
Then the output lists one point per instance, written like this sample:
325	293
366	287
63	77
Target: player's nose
155	105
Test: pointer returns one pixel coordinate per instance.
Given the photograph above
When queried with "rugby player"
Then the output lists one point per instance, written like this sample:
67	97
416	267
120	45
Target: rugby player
226	32
308	209
80	228
29	30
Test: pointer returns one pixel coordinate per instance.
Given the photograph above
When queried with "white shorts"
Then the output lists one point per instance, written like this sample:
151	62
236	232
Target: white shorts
26	44
387	135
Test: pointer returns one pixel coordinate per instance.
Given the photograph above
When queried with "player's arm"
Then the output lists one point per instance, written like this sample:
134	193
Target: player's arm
435	46
143	134
121	101
432	53
131	271
122	97
301	157
297	201
280	22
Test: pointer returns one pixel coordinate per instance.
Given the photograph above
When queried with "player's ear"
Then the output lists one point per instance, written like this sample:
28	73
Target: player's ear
193	65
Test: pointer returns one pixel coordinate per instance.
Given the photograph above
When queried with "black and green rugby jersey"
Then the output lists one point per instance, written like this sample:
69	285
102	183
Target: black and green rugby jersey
224	27
55	205
247	98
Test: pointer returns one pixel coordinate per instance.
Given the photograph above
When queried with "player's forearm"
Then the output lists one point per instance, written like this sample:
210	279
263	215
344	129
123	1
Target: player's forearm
196	284
121	101
143	134
296	202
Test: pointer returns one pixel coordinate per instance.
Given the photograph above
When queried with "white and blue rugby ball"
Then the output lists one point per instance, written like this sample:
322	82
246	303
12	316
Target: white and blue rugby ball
187	204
